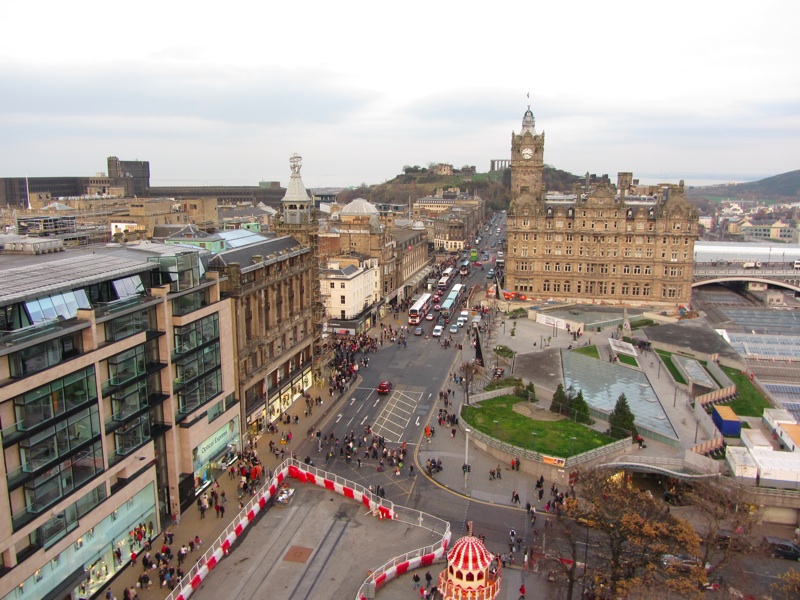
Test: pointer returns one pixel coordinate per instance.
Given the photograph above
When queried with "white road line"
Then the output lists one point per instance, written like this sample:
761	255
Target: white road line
417	422
339	418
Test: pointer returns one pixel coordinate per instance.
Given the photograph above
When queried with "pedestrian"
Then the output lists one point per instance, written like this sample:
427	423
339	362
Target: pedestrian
221	510
428	578
522	592
416	581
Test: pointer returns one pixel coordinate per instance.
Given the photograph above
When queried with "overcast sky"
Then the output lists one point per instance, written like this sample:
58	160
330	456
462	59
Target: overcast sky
224	92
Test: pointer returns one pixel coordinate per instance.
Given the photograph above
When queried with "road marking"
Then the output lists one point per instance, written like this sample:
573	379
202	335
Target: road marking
364	420
417	422
339	418
376	403
352	401
351	420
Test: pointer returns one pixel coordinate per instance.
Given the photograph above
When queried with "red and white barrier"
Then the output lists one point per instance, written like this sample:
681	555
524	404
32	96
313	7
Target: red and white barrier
301	475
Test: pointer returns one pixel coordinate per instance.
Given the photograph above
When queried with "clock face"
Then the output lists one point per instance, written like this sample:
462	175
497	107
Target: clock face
527	153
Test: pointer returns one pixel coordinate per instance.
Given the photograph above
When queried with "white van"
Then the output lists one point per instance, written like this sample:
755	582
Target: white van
464	315
461	321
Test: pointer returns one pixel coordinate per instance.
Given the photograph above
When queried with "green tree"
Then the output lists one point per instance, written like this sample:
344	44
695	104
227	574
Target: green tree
580	410
559	399
620	423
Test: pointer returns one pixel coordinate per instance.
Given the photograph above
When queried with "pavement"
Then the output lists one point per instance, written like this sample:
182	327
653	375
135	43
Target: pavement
454	451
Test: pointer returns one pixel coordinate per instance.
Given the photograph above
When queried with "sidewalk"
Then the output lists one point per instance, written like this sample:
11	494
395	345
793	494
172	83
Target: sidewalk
209	528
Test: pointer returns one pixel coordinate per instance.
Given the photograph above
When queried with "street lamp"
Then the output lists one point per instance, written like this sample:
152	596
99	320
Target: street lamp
496	423
466	453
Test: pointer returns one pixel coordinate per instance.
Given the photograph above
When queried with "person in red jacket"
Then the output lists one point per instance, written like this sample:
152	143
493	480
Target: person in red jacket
522	592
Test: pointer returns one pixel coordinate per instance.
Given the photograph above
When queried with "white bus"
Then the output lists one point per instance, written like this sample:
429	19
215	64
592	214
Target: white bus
421	307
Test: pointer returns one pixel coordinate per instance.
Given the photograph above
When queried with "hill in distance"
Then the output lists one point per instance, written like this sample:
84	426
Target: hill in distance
418	182
780	188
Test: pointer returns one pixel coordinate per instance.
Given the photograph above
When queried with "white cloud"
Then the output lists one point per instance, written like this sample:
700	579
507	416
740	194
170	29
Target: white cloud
225	93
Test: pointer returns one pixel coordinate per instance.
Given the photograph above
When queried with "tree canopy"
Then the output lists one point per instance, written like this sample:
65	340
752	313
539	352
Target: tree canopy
620	423
643	546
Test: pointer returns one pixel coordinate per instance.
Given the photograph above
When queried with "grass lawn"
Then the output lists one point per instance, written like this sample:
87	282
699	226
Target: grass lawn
750	402
552	437
591	351
627	360
666	358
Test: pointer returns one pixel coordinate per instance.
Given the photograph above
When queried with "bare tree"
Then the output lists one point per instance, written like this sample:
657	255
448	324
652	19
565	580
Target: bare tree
728	518
644	546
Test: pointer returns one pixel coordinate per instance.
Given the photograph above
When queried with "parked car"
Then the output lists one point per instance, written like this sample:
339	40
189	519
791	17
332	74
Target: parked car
680	562
454	328
437	331
781	548
384	387
418	331
726	538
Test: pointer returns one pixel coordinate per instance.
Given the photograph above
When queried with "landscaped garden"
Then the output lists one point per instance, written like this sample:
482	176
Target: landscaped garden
563	438
749	402
590	351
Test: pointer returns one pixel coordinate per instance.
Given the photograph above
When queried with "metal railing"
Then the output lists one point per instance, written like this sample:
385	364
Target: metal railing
208	560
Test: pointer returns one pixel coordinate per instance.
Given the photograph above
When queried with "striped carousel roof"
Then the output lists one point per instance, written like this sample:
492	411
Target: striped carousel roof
469	554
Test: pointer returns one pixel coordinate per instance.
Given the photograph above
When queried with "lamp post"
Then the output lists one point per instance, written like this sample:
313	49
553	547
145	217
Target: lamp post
572	446
466	453
496	424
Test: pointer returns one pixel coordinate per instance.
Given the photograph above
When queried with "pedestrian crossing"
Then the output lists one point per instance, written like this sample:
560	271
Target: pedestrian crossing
396	414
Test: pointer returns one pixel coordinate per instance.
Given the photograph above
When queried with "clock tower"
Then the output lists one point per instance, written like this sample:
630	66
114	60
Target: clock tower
527	161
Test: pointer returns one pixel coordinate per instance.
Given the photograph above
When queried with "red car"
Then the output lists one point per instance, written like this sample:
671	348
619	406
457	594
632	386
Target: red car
384	387
478	263
436	298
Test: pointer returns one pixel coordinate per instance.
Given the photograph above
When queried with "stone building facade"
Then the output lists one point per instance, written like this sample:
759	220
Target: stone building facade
599	244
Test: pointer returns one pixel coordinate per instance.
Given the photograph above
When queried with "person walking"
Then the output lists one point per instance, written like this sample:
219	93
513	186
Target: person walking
522	592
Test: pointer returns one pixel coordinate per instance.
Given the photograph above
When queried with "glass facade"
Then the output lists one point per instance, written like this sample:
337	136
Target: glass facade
39	357
51	401
192	336
128	325
93	552
64	305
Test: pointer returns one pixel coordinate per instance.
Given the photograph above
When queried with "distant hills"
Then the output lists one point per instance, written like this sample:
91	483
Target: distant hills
780	188
419	182
494	187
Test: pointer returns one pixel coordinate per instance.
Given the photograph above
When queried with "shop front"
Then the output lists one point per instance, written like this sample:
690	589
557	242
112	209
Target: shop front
289	390
210	458
278	391
99	553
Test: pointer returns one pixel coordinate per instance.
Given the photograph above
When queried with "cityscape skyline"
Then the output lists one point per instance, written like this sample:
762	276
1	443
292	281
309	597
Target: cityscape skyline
703	94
